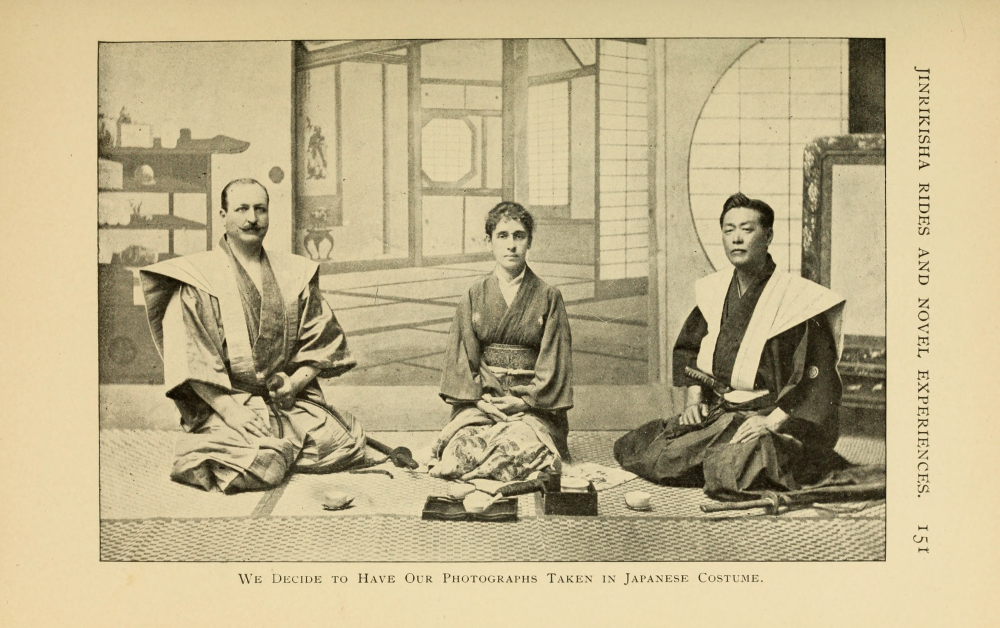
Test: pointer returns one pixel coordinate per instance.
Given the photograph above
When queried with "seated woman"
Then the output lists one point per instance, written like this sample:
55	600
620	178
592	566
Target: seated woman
507	366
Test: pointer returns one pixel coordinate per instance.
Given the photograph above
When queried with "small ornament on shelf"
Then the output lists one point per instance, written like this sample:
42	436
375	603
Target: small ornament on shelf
137	255
104	139
145	176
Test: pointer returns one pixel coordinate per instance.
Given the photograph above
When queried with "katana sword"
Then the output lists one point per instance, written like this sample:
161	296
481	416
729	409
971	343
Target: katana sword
773	501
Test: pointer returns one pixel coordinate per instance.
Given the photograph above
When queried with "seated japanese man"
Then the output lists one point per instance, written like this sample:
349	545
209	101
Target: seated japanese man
757	357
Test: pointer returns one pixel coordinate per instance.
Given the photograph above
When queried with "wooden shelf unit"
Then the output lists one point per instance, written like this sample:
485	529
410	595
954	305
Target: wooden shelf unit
127	354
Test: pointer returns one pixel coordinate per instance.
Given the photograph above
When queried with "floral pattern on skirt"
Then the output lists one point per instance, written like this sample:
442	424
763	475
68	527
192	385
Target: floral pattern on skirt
505	451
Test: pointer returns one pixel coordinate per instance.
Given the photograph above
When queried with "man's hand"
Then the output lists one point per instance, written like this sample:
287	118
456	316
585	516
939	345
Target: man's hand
694	409
282	390
247	423
244	420
757	425
285	388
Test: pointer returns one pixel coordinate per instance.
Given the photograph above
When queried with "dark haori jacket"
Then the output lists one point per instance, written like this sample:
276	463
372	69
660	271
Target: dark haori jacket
536	321
782	337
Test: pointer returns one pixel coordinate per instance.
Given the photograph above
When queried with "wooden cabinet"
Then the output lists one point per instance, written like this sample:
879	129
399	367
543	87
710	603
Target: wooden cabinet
158	204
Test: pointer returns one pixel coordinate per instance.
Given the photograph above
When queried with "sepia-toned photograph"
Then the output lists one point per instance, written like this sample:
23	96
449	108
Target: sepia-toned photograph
557	313
506	300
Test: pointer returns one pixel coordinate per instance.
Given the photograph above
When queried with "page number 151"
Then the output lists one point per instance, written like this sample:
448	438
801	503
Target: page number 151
921	539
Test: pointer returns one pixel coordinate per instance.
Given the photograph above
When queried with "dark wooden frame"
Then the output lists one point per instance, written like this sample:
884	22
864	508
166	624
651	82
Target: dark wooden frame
863	366
368	50
819	158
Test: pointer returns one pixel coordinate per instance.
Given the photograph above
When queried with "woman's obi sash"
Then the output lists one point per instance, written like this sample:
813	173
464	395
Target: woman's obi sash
512	365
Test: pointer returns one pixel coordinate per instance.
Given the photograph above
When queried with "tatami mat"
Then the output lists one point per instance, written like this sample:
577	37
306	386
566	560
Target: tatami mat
135	481
862	449
395	539
374	493
135	484
145	516
403	494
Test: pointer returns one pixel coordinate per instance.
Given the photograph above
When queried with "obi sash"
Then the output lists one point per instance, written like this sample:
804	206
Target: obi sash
510	357
512	365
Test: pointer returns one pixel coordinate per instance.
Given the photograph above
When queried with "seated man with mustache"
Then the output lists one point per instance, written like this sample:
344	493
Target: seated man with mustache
244	333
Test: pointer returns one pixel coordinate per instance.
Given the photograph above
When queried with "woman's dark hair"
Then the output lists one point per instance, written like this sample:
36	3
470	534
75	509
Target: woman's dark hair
741	200
511	211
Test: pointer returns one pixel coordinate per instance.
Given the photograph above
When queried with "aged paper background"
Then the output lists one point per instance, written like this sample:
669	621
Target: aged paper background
49	568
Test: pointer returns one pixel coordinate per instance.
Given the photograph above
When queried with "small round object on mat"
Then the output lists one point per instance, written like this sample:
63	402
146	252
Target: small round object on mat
638	500
570	484
336	500
460	490
476	502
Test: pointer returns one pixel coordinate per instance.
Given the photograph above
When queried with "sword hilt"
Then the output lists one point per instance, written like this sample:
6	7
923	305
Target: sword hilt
707	380
770	502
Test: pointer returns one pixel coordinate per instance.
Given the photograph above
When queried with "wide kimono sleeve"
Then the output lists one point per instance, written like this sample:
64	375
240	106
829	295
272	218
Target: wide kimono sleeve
812	394
460	380
687	347
321	340
193	351
551	388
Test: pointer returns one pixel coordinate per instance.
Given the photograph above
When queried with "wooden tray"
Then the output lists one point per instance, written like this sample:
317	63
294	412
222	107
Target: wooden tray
444	509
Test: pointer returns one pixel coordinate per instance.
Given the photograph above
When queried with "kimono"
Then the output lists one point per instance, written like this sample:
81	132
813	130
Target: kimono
212	325
522	349
775	346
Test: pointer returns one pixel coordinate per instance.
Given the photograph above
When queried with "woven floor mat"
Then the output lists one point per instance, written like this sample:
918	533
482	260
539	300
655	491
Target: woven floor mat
373	493
593	447
862	449
145	516
392	539
598	446
135	481
403	494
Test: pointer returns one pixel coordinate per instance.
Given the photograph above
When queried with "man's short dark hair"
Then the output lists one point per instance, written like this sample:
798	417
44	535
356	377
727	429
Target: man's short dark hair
742	200
511	211
244	181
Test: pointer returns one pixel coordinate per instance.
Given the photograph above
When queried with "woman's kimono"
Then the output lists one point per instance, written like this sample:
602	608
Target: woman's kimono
523	349
779	344
212	325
